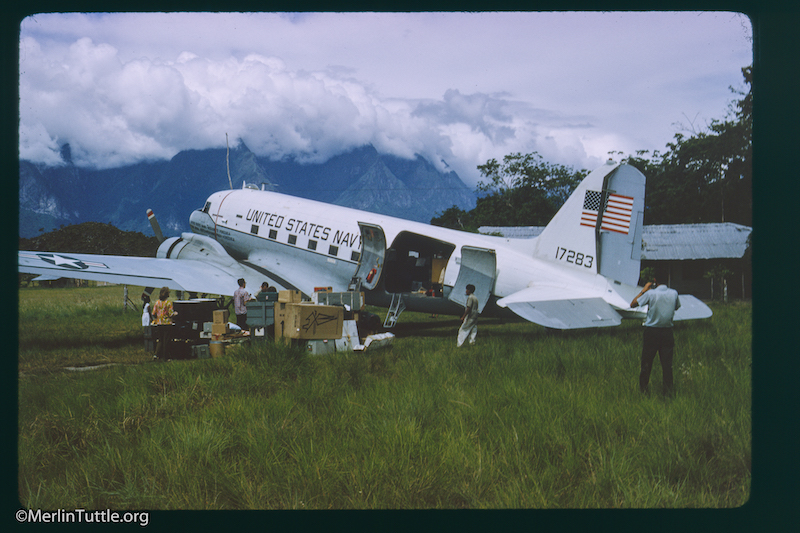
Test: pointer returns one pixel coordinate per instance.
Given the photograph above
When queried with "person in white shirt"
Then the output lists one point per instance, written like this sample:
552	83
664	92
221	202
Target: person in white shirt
240	297
661	302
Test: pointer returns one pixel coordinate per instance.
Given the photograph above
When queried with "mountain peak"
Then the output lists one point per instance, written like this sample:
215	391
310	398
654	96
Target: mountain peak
66	153
362	178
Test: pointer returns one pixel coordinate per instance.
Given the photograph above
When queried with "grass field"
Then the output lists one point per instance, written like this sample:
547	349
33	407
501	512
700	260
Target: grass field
524	419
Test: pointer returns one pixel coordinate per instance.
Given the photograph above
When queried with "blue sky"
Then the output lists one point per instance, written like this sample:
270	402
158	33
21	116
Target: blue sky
458	88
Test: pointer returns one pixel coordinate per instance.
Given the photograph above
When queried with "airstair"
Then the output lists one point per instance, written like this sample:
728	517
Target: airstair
397	307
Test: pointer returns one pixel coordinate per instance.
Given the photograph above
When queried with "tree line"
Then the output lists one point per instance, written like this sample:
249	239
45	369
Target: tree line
701	177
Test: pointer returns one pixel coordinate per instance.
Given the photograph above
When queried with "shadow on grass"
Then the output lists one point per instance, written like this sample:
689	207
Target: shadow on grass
77	343
507	328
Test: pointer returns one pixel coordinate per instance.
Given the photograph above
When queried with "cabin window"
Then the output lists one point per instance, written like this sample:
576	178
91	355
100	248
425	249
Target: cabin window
292	239
312	245
355	256
273	234
254	229
333	250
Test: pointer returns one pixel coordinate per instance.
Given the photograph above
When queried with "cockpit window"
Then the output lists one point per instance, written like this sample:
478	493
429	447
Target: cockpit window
207	207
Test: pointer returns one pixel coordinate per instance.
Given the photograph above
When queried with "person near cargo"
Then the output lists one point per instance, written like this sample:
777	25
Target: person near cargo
146	318
262	294
266	289
162	317
240	297
469	320
661	302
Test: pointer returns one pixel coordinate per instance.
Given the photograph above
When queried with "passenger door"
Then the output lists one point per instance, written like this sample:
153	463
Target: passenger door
478	267
373	250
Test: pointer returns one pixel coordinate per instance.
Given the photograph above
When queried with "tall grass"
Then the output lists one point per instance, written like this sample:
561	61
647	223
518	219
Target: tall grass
524	419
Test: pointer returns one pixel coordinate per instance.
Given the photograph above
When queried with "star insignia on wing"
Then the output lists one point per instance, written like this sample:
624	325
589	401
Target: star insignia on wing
63	261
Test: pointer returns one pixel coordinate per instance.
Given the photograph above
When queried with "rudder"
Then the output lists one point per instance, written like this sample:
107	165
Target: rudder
599	227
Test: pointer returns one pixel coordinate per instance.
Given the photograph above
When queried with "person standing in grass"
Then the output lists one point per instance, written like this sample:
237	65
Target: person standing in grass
469	320
661	302
162	317
240	297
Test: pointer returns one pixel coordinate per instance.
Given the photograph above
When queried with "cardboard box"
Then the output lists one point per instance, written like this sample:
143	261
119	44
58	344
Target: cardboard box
221	316
290	297
373	342
354	300
308	321
220	329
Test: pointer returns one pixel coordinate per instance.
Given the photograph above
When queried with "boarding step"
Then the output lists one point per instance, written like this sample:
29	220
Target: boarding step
397	307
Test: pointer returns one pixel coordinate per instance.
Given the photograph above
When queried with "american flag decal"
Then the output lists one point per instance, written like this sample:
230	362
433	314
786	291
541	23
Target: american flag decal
614	209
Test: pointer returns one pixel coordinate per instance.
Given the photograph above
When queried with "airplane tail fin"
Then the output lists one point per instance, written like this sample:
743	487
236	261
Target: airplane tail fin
599	228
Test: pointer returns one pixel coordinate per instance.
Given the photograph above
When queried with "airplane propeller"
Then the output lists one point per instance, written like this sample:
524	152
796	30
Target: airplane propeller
148	291
154	223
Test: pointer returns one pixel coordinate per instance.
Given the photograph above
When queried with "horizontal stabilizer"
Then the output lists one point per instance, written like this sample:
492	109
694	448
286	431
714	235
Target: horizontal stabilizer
691	308
568	314
555	307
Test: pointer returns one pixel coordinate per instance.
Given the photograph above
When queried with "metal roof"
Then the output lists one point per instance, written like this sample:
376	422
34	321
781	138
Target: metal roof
512	232
668	241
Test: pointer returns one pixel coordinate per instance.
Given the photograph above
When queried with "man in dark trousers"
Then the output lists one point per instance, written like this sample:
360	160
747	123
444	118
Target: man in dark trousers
240	298
661	302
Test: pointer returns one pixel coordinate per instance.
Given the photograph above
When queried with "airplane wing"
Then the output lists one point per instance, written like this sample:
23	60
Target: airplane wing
177	274
561	308
191	263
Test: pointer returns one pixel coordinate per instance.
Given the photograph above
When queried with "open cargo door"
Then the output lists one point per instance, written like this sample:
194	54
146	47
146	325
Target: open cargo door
478	267
373	250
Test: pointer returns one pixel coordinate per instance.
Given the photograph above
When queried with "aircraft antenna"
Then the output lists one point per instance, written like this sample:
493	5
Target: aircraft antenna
228	160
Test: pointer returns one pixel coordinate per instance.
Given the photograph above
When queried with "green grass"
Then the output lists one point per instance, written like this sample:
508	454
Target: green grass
525	419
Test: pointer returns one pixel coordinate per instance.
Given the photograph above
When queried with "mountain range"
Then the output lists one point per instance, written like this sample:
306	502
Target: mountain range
55	196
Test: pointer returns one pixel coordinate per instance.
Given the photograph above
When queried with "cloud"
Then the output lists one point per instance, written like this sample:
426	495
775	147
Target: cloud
114	112
458	88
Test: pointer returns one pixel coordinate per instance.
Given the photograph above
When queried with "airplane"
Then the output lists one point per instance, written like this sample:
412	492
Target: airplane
582	271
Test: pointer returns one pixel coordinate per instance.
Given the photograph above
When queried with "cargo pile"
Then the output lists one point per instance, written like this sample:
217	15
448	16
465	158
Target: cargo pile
328	323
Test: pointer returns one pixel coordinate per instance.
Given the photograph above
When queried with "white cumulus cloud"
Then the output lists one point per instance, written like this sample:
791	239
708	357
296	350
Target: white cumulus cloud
458	88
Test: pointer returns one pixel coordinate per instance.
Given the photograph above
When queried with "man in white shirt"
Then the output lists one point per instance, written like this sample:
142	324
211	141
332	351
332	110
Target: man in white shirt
469	320
661	302
240	297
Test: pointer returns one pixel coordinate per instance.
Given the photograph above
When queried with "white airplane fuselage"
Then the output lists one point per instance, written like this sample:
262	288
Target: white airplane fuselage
580	272
273	233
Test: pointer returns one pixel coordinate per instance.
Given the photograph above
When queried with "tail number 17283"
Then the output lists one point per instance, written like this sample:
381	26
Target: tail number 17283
576	258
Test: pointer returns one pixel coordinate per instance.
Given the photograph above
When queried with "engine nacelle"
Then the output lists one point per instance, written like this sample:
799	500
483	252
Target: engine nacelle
197	247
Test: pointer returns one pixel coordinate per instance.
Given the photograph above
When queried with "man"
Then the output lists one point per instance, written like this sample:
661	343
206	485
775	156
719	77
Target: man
661	302
469	320
239	298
